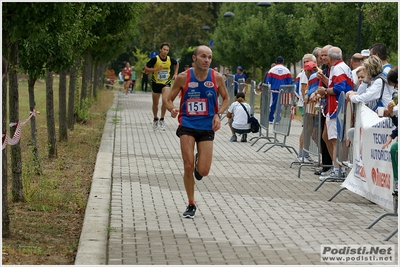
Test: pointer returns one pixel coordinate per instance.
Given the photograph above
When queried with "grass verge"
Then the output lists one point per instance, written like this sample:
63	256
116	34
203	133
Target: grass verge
45	229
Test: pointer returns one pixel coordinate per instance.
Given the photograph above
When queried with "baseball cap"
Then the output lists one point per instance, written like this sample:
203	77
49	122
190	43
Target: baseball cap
365	53
240	68
240	94
279	59
310	66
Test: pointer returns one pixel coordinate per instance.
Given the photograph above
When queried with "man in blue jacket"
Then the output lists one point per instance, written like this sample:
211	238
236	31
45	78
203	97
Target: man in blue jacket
277	76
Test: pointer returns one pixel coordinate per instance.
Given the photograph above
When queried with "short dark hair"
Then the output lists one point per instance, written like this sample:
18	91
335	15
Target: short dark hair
379	50
392	75
165	44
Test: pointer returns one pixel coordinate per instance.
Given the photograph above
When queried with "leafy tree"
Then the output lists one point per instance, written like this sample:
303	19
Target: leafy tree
117	27
172	22
380	25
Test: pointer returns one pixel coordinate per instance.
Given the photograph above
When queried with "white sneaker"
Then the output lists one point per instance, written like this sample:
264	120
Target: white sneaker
155	125
300	159
332	175
310	159
327	173
347	163
162	125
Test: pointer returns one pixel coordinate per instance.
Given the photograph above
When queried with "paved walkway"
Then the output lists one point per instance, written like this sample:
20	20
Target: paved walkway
252	208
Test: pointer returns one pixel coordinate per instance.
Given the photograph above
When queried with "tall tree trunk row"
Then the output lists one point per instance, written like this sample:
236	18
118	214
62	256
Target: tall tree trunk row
62	113
16	164
32	106
51	128
4	207
86	77
73	74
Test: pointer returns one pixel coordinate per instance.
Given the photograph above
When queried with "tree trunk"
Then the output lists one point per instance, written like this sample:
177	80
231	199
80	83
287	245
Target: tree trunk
96	79
86	77
4	207
62	113
16	164
32	106
51	129
71	94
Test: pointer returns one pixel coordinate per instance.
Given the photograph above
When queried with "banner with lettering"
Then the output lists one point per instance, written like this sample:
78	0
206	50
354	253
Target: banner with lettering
372	174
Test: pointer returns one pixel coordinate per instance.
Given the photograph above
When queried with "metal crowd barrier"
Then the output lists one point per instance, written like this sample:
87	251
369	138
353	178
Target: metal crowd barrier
312	131
265	101
341	149
241	84
230	87
253	86
283	117
345	121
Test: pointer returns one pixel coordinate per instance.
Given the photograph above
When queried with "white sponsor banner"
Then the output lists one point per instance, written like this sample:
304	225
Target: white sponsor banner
372	174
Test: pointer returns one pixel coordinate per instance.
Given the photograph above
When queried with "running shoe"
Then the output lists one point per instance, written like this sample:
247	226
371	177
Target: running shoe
233	138
196	173
162	125
155	124
190	212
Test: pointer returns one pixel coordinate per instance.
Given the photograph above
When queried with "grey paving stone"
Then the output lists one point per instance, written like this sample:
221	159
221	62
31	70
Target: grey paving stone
252	207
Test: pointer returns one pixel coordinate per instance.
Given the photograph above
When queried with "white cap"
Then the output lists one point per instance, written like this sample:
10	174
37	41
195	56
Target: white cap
365	53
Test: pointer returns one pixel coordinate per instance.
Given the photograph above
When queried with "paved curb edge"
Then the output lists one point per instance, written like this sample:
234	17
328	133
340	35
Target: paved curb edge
92	248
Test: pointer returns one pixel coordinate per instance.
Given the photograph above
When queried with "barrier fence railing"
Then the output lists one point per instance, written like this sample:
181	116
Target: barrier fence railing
230	87
312	131
265	101
341	149
283	118
252	96
366	167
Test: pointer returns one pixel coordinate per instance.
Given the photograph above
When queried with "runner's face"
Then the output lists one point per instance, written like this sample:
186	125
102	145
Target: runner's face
203	59
164	51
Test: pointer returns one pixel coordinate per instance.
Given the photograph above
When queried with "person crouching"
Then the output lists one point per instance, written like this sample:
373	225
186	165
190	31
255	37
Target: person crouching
239	118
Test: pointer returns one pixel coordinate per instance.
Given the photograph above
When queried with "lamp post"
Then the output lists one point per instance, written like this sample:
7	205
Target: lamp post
228	14
359	27
207	28
264	4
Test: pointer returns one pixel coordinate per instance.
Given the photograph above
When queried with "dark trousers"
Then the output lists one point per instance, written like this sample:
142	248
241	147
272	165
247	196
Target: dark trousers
145	82
326	157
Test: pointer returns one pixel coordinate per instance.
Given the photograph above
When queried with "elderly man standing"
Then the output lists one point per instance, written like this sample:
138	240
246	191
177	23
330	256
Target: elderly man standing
340	80
278	75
